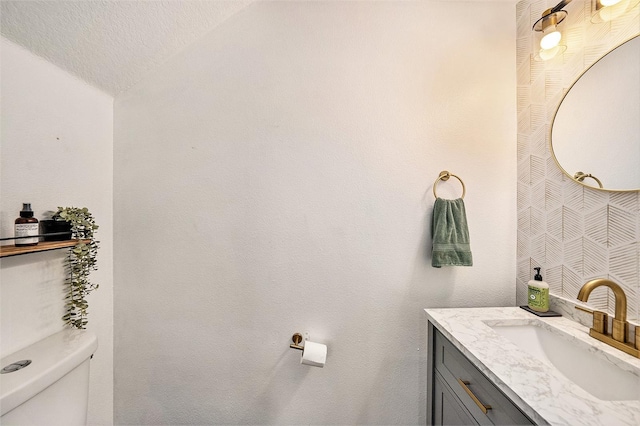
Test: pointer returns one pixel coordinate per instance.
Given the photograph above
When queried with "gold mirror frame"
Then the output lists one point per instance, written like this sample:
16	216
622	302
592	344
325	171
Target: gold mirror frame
579	177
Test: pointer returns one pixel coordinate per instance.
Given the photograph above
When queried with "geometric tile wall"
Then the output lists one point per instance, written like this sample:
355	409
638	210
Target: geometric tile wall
574	233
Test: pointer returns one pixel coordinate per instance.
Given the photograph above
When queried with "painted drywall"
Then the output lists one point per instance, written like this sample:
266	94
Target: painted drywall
276	177
57	150
573	232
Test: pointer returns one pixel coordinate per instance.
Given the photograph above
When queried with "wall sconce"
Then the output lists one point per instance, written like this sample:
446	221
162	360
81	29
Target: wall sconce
608	10
548	25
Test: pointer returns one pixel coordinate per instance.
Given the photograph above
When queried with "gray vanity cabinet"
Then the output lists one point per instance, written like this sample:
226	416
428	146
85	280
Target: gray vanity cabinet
459	394
450	410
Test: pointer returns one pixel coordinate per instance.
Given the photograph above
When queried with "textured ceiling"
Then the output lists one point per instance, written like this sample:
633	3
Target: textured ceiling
111	44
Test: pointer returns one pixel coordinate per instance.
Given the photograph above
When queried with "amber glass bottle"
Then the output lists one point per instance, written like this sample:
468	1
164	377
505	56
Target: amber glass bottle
26	225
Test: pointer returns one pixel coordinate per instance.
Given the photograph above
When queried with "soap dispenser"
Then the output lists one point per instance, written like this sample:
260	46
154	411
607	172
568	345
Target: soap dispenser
538	293
26	226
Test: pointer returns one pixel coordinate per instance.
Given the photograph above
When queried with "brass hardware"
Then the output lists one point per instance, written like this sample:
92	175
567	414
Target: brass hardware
618	336
600	322
581	176
465	385
552	16
551	19
600	319
296	338
583	309
619	330
625	347
620	320
445	175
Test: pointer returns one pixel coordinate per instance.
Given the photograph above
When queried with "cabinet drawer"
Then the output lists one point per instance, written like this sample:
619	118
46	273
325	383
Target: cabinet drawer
473	388
448	408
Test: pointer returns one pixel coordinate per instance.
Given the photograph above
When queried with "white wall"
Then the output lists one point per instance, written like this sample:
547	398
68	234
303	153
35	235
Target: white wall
276	177
57	150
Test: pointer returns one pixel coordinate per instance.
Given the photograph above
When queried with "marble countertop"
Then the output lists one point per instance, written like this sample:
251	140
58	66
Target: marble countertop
537	389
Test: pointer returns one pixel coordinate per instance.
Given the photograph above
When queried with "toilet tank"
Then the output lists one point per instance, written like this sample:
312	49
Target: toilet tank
54	388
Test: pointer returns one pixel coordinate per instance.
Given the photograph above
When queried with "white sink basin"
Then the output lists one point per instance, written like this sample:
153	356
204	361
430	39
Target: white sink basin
583	364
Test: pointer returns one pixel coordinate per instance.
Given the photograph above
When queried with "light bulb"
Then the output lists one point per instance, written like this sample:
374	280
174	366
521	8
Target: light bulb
551	38
608	10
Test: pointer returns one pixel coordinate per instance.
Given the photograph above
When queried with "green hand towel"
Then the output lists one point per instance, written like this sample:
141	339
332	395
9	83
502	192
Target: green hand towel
450	234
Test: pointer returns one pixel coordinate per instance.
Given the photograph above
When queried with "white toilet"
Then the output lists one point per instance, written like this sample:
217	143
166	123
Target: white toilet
53	389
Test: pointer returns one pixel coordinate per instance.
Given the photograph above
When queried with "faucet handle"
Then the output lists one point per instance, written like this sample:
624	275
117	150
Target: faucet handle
583	309
600	319
600	322
619	330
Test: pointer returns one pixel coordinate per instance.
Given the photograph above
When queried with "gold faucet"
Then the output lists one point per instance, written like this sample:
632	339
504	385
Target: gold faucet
618	336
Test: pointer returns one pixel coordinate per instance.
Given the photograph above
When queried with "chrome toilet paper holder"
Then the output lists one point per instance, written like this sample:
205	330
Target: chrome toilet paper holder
296	339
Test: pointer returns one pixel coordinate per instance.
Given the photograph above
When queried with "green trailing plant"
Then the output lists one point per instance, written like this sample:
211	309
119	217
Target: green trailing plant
81	262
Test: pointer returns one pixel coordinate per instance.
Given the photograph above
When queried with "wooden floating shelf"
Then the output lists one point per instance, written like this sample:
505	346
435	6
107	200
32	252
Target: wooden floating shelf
6	251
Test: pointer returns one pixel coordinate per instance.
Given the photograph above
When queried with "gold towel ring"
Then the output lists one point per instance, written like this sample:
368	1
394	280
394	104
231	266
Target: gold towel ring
580	177
445	175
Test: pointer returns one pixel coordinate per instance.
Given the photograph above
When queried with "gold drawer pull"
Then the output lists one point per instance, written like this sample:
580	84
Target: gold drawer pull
465	385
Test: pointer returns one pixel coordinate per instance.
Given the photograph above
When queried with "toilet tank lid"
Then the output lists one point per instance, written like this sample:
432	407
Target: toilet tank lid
51	359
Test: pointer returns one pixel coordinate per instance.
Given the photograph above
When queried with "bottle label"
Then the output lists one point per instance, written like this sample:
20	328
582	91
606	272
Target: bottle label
538	298
24	230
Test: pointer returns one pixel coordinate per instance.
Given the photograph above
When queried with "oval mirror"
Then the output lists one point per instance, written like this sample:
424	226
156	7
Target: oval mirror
595	136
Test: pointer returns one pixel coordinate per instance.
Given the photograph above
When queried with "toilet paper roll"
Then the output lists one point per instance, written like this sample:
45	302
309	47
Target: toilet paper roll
314	354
